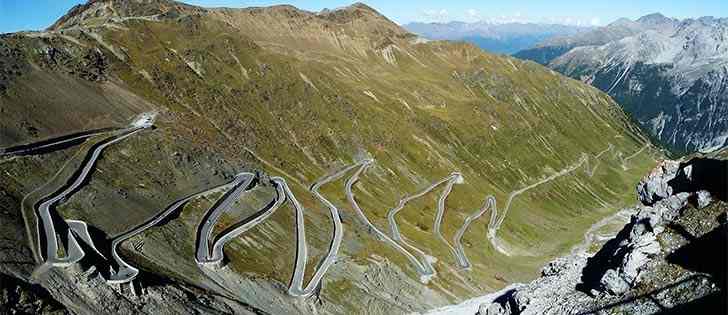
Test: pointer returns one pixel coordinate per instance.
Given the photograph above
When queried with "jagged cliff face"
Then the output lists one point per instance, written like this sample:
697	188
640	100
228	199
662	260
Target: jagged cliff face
297	94
670	75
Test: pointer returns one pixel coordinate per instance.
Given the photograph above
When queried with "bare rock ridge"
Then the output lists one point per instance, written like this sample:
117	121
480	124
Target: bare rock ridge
97	12
100	11
350	13
647	255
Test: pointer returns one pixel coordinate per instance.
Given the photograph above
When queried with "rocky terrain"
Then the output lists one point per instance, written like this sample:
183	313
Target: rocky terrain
501	38
550	49
670	75
669	259
296	97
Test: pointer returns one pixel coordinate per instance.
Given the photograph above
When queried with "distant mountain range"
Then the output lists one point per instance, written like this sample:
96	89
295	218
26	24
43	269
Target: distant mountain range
503	38
556	46
670	75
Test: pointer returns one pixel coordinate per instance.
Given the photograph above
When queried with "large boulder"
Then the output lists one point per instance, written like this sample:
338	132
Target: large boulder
704	199
613	283
643	248
580	284
494	309
618	266
656	185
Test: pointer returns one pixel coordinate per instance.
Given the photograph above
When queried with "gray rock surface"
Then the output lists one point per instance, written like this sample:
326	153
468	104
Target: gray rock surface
641	258
614	283
704	198
655	185
637	243
494	309
17	297
669	74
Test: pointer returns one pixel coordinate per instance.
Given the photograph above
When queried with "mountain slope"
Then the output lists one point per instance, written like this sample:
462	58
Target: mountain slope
551	49
299	95
671	77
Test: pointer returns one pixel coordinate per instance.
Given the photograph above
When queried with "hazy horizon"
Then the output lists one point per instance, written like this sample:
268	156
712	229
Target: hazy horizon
39	14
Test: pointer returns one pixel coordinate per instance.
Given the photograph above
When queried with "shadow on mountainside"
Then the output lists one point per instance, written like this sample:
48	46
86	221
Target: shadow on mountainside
20	297
710	302
53	144
705	174
713	303
694	175
706	254
608	257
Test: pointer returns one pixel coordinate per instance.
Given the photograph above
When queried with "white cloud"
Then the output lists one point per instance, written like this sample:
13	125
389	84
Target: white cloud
474	15
435	15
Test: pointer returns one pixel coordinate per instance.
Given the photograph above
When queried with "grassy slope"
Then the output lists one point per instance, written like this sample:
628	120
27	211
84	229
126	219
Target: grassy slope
442	107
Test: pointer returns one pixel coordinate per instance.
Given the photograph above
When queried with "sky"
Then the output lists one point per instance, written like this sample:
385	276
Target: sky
16	15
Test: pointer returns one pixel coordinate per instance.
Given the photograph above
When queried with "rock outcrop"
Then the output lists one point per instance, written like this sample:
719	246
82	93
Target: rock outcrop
655	185
641	258
18	297
625	256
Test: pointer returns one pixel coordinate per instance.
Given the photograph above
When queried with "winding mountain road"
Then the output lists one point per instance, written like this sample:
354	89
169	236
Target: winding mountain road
592	167
457	179
241	227
424	270
494	225
43	210
631	156
210	252
49	144
489	203
300	265
125	272
242	182
296	288
391	217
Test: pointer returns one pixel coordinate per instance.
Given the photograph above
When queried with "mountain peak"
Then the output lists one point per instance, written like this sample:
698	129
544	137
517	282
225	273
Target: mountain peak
652	16
372	22
621	22
104	10
359	5
655	19
351	12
